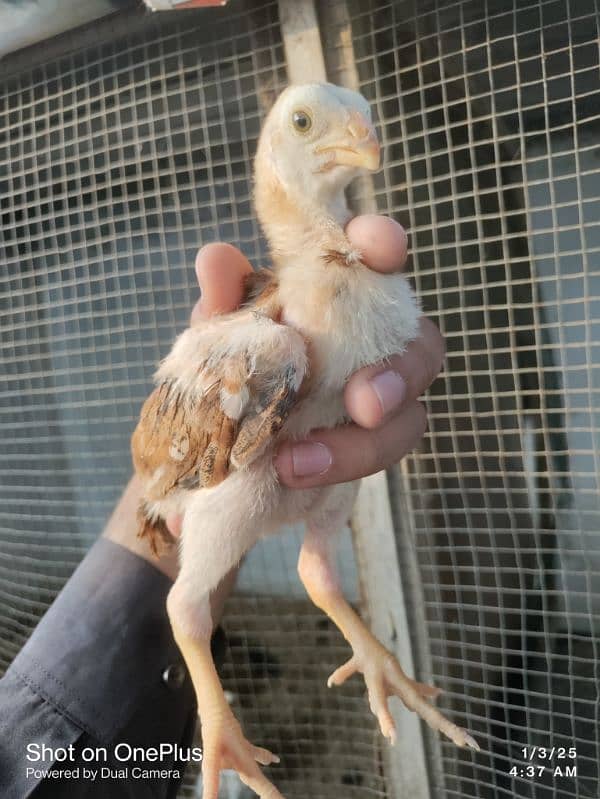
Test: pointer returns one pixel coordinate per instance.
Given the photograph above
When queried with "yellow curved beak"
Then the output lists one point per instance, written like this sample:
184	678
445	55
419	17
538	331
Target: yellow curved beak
359	146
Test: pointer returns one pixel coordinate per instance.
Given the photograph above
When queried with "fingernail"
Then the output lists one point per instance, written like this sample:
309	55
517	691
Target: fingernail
309	458
390	389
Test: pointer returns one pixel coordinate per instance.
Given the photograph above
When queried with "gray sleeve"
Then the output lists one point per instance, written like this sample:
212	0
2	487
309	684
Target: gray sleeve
101	669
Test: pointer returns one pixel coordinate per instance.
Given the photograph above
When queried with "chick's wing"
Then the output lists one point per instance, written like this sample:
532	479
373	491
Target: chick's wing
223	393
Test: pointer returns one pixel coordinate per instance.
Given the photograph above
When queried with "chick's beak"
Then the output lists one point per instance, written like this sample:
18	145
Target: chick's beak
358	146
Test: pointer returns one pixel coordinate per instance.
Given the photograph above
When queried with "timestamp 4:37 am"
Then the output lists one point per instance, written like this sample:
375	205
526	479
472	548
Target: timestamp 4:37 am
550	755
565	770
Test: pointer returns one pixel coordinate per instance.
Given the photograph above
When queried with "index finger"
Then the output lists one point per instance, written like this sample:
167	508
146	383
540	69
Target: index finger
382	242
220	269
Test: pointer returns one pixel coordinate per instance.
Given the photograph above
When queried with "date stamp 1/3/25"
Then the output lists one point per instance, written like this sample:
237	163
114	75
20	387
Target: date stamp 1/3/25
540	761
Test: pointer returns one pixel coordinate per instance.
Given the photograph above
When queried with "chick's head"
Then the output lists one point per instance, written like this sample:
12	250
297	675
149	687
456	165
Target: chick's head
316	139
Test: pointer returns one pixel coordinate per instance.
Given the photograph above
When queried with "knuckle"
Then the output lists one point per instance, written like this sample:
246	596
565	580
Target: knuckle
364	457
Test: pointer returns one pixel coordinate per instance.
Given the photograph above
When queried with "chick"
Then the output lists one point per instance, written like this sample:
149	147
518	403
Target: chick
234	386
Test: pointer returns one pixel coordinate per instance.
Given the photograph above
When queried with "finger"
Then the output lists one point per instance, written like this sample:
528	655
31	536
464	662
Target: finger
220	269
375	392
349	452
381	241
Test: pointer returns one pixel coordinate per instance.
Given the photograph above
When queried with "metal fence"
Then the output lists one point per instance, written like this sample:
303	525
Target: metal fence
490	114
128	146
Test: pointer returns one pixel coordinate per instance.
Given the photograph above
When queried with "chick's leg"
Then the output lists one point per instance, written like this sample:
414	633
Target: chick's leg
224	744
382	673
213	541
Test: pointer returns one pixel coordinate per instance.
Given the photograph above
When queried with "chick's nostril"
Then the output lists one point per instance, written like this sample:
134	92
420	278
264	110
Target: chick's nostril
354	131
358	127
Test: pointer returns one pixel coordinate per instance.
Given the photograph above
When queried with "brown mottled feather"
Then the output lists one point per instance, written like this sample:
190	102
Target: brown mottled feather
257	430
155	530
260	292
182	442
257	284
188	442
335	257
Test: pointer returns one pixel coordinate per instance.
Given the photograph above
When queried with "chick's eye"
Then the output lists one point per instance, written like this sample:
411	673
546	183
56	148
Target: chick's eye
301	121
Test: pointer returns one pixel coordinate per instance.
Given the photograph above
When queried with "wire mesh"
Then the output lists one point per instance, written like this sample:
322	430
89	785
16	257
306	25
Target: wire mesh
489	115
122	151
116	163
120	158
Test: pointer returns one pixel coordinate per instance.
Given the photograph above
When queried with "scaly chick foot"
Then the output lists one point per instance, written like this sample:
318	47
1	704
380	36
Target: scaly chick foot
384	677
225	747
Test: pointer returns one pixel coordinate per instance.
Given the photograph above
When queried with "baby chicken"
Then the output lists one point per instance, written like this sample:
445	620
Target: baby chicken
234	386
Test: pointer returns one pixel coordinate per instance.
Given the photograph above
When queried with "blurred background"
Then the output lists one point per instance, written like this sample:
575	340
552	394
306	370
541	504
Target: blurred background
125	144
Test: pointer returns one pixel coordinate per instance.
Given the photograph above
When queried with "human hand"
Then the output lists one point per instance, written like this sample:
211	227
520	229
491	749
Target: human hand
388	420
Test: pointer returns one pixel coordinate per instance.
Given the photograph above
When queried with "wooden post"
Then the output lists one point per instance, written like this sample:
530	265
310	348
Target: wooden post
302	41
382	591
336	29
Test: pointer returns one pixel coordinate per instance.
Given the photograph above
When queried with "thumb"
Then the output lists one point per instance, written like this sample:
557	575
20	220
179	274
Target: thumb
220	269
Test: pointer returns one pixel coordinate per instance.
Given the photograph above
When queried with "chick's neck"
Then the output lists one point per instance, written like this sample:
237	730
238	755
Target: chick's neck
300	225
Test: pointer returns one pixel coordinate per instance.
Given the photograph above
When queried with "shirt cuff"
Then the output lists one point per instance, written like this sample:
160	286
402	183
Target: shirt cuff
104	653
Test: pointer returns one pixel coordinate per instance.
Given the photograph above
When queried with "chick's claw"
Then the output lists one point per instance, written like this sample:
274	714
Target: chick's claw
384	677
226	747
